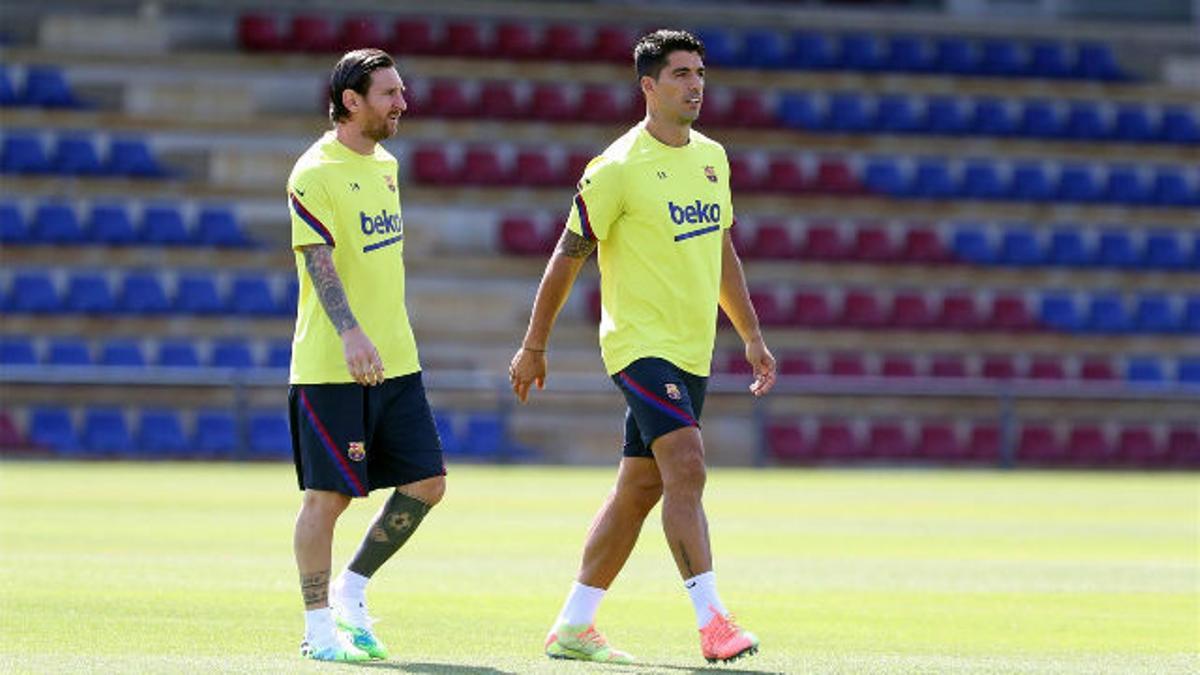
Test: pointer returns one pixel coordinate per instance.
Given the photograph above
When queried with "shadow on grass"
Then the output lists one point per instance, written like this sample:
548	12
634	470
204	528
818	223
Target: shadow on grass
435	668
714	670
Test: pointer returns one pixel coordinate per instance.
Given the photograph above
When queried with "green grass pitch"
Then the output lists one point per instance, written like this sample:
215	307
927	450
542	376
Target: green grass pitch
187	568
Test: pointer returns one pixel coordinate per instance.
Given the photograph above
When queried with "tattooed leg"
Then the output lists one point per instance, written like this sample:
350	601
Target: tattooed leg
396	522
313	543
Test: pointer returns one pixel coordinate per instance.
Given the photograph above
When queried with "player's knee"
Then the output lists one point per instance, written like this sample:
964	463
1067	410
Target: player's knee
640	494
687	471
430	490
323	505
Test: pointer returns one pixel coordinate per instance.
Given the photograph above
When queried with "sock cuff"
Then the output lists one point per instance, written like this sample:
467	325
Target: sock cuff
708	578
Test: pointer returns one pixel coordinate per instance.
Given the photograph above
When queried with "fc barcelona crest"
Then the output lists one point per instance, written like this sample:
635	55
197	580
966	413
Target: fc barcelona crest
710	173
391	182
356	451
673	391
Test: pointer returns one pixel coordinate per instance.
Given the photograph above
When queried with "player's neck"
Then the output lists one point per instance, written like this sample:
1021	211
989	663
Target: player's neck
353	138
668	133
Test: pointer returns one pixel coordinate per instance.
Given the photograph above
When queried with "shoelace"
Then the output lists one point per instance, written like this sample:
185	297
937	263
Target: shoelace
726	629
592	637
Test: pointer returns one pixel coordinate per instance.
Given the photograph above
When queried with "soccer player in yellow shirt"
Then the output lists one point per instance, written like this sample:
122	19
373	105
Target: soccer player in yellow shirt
656	204
360	420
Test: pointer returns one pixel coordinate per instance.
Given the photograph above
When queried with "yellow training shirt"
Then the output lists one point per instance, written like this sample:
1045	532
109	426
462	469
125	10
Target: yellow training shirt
352	203
658	214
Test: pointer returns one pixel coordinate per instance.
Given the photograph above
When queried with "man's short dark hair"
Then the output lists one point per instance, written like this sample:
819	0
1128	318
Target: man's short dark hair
651	52
353	71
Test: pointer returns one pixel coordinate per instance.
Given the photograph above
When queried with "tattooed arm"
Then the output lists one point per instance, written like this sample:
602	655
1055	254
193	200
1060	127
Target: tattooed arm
362	359
529	364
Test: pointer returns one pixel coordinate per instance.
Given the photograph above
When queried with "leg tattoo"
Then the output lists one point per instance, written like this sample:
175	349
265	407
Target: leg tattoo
315	589
397	521
687	562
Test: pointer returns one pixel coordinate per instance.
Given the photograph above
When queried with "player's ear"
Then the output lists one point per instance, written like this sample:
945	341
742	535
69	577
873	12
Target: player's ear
646	83
350	99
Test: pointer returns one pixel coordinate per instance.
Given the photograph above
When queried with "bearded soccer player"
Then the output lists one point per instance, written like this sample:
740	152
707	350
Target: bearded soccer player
360	420
656	203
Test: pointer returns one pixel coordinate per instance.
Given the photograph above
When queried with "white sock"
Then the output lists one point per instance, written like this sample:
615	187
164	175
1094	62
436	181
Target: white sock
318	626
702	589
581	605
351	586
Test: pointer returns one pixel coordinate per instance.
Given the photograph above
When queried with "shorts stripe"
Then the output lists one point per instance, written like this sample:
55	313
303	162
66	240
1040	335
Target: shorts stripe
644	394
343	466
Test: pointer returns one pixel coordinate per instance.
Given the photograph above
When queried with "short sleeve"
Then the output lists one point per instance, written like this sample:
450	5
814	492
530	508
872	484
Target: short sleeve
312	211
730	221
598	203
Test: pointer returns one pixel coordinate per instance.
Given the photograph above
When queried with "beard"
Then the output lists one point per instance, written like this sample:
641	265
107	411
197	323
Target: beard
379	129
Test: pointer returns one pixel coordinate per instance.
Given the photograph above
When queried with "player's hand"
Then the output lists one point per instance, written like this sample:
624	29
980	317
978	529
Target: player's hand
528	367
763	363
362	359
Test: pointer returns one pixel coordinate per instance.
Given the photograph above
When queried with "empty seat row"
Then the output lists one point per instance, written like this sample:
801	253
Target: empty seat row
510	100
43	86
851	112
1066	246
140	292
1036	444
487	167
115	223
1101	312
20	350
79	154
1137	370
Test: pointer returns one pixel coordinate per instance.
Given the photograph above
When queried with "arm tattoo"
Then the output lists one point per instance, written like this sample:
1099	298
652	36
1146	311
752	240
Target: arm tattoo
318	260
315	589
575	246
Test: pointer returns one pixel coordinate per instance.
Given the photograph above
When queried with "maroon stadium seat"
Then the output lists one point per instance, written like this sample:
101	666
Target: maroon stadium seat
1097	368
1183	447
772	240
498	99
909	311
784	175
889	440
259	33
786	441
599	104
847	364
1047	368
593	303
749	109
796	363
958	312
744	175
311	33
463	38
431	166
577	161
565	42
998	367
360	33
948	366
520	235
536	169
922	244
835	441
1009	313
984	443
1039	444
834	177
937	441
517	41
872	244
449	98
1136	447
861	309
822	241
412	36
898	365
811	309
1087	444
10	435
735	363
482	166
550	102
771	311
611	43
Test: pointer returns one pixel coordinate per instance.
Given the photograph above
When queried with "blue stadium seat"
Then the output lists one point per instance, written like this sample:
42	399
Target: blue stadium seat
1029	183
1000	58
1191	315
1106	314
954	56
796	110
68	351
8	92
1196	252
105	432
764	48
485	436
895	114
1049	60
1077	184
809	51
846	112
33	291
944	116
110	224
142	293
160	434
270	437
75	155
163	224
88	292
981	181
905	54
23	153
720	46
1067	248
177	353
291	295
970	243
217	226
1179	126
12	224
932	180
17	350
51	427
1125	186
882	176
1039	120
1116	249
56	223
445	430
216	434
1164	252
990	118
1095	61
251	295
279	354
1144	370
1154	315
1084	121
45	86
1059	311
858	51
1187	370
1132	123
1019	246
122	352
1171	188
231	353
132	157
196	293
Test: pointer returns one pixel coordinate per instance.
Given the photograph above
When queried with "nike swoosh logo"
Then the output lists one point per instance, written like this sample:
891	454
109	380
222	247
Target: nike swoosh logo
691	585
300	192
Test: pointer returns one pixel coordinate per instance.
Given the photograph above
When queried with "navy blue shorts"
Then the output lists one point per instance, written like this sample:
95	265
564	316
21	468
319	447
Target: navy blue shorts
352	439
662	398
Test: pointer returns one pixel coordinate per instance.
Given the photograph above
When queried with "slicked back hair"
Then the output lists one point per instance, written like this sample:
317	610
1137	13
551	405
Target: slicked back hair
353	71
651	52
